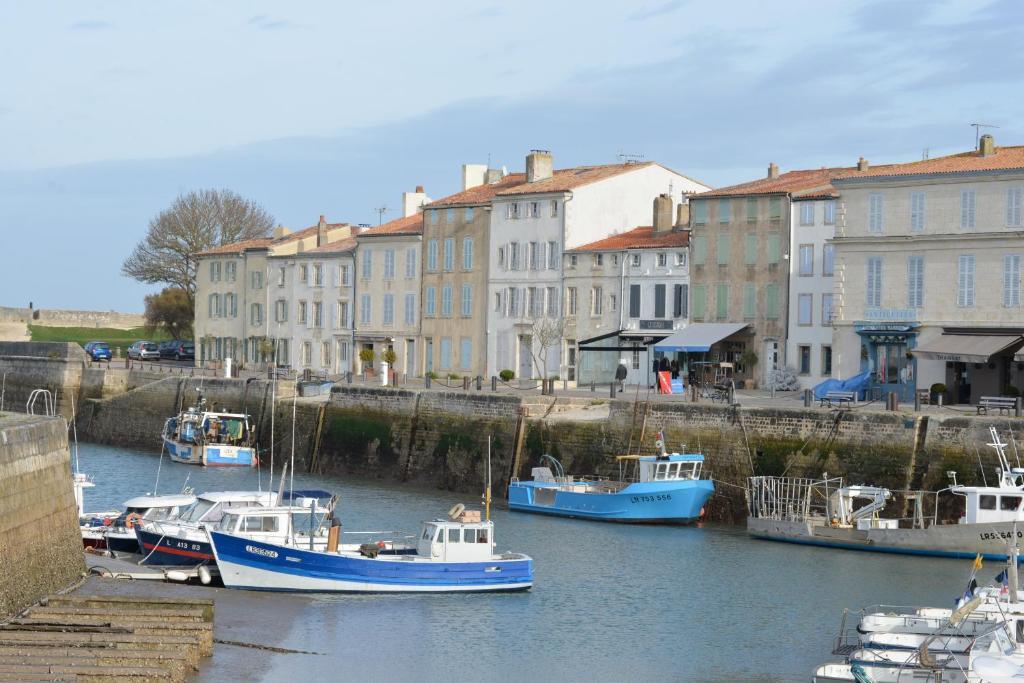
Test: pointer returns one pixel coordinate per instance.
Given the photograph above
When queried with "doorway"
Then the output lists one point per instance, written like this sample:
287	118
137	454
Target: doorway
771	359
525	359
410	357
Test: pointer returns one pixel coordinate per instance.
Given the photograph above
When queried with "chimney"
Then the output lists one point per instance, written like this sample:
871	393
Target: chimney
538	165
412	202
986	145
473	175
494	175
321	232
279	232
662	213
682	215
773	171
862	164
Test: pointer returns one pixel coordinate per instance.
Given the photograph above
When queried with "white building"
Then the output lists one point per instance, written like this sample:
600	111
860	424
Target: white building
811	265
533	223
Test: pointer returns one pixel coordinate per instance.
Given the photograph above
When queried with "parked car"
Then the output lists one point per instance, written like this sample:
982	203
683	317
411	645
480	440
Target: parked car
185	350
167	348
144	350
97	351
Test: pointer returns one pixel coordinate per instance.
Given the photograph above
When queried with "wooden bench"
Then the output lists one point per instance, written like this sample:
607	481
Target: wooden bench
924	396
839	398
1000	403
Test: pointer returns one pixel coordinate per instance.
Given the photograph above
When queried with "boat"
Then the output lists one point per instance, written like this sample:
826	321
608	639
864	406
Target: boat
120	534
211	438
93	525
666	488
453	554
825	512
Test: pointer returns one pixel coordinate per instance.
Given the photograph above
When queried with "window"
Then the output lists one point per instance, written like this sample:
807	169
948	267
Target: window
346	275
698	302
596	300
598	259
367	263
750	249
830	212
722	301
1014	199
806	213
915	281
554	208
307	353
318	275
213	306
280	276
775	208
636	359
828	253
874	282
318	314
282	352
434	216
389	309
465	353
343	318
723	210
513	302
1011	280
410	263
806	259
681	258
965	281
749	301
774	248
343	353
967	205
303	273
364	309
449	254
513	256
679	301
636	260
804	353
1009	503
552	302
325	354
432	255
410	309
571	303
826	310
634	301
534	256
875	212
613	303
389	264
230	268
659	301
752	210
826	360
256	314
771	302
512	210
533	210
280	311
723	248
449	215
468	214
467	301
700	212
430	305
446	301
446	353
987	502
302	312
233	305
553	256
256	278
917	211
214	271
573	260
467	253
700	249
805	306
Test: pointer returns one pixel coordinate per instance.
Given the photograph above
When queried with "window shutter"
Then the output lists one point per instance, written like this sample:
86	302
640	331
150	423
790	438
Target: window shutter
677	301
659	301
634	301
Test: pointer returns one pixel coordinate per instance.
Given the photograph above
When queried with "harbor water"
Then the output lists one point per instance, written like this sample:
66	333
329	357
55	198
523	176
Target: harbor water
611	602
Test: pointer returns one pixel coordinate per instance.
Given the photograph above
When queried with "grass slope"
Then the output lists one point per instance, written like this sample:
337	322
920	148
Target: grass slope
83	335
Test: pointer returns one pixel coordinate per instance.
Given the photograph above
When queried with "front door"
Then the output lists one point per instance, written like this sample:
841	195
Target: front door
771	358
525	359
410	358
429	361
570	359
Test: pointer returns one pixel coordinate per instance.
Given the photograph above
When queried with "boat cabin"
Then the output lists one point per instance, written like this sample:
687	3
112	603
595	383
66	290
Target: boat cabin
992	504
194	427
455	541
673	467
209	508
276	524
158	508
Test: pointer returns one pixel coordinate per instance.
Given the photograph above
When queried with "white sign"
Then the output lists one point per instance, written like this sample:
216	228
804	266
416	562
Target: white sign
891	314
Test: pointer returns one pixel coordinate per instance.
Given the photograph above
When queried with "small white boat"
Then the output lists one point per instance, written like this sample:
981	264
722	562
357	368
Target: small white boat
120	535
93	525
211	438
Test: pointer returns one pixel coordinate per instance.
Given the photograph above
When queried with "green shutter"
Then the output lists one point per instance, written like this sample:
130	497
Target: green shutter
749	301
752	209
700	249
771	297
700	212
723	248
775	208
722	301
773	248
698	301
750	249
724	206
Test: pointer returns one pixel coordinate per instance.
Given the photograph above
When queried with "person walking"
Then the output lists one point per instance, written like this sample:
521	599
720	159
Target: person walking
620	374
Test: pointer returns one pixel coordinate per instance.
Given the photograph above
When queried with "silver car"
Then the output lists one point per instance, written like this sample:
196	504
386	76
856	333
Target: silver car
144	350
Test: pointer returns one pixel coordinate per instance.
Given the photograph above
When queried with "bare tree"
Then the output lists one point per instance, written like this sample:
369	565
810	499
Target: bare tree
545	333
194	222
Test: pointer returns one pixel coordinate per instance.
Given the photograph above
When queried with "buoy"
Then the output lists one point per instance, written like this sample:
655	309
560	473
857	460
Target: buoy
204	575
131	519
381	544
176	575
456	510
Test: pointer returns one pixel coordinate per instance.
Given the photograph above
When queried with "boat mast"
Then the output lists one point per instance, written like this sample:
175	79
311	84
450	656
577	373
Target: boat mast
487	492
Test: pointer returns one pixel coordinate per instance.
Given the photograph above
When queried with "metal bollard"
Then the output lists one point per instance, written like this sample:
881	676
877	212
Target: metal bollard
807	398
611	389
465	383
494	383
426	381
591	385
348	377
479	382
1018	409
917	402
892	401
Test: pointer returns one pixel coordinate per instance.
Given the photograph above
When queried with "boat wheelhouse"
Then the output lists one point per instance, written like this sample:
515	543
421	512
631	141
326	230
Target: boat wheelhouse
211	438
666	488
120	535
93	525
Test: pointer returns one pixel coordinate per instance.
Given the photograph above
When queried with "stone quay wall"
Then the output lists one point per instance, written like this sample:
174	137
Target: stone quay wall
59	367
66	318
38	515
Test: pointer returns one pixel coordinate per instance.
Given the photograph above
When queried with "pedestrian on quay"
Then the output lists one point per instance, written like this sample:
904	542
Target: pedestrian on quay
620	374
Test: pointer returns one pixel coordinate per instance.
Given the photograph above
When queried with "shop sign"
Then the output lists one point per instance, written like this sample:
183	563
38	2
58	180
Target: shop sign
655	324
890	314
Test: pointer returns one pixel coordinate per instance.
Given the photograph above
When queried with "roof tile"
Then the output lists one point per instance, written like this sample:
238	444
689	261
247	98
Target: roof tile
638	238
409	225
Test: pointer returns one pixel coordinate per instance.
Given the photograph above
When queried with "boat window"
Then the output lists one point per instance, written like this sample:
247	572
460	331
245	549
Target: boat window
160	514
454	535
227	523
659	472
673	470
262	523
481	536
196	510
1009	503
428	532
987	502
469	536
440	536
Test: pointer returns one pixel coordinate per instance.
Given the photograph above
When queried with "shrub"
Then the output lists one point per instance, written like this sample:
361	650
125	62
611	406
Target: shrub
1011	391
555	377
506	375
938	388
432	375
366	355
389	356
452	375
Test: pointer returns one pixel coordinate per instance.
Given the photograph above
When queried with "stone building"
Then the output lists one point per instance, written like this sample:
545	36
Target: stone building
624	293
928	274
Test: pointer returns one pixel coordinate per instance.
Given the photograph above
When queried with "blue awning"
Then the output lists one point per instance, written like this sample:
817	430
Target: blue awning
698	337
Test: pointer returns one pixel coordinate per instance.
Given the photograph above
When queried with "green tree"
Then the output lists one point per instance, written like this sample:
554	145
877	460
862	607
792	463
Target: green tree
171	311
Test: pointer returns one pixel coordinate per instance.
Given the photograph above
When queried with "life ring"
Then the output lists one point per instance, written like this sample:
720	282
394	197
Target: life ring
381	544
456	510
131	520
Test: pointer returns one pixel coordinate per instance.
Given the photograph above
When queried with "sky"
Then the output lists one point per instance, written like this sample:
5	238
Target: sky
108	110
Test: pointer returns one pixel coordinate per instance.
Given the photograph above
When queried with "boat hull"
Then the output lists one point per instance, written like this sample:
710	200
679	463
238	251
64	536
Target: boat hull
122	541
157	549
679	502
254	565
943	540
210	455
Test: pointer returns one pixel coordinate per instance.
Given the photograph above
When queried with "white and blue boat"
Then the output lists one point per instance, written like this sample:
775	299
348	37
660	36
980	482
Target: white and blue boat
667	489
211	438
120	535
450	555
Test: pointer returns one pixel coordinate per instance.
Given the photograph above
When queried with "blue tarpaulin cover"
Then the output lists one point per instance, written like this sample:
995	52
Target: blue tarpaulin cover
858	383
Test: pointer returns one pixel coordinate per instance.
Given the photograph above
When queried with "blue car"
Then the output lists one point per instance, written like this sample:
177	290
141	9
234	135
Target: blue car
98	351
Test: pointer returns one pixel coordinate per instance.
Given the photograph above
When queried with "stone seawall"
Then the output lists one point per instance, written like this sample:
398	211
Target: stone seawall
59	367
42	546
64	318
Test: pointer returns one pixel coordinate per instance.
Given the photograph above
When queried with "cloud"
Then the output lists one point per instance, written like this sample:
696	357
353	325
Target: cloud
265	22
656	11
91	25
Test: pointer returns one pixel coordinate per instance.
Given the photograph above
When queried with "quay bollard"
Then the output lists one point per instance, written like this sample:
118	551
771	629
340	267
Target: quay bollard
917	402
426	381
348	376
465	383
591	385
807	398
494	382
479	382
611	389
892	401
693	393
1018	409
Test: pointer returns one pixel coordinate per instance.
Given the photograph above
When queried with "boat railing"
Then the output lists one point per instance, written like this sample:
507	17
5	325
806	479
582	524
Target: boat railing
790	498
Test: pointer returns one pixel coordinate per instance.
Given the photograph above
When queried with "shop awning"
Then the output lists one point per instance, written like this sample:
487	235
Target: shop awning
966	348
698	337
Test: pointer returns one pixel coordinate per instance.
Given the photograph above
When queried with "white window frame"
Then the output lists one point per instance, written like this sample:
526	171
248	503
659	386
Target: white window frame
806	260
876	207
968	208
915	281
805	305
873	294
917	209
1011	280
1014	202
807	213
965	281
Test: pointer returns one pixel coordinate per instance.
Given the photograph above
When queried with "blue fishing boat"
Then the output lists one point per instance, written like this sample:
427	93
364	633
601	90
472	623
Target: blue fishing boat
666	489
450	555
211	438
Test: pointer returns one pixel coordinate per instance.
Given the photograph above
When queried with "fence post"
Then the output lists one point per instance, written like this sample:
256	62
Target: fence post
591	385
1018	409
807	398
426	381
611	389
465	383
892	401
917	402
479	382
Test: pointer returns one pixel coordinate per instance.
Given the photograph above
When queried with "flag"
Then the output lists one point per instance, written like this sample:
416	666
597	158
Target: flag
1004	580
969	593
977	563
